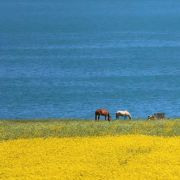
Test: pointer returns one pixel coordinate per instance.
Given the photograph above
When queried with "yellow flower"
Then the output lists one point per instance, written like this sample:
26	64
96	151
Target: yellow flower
111	157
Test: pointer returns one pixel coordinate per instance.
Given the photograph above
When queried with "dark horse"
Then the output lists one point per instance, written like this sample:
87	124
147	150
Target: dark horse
102	112
158	115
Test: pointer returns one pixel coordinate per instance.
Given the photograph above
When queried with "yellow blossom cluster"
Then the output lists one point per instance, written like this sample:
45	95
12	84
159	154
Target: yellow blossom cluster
107	157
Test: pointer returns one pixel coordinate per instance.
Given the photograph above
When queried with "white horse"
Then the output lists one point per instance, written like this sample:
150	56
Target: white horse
123	114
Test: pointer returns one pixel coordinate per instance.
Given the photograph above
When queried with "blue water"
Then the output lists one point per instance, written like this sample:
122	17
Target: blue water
66	58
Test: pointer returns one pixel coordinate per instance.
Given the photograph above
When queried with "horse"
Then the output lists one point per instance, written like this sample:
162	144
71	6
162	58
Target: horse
158	115
102	112
123	114
151	117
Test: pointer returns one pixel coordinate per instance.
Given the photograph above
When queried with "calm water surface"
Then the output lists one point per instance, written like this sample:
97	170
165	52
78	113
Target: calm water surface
61	59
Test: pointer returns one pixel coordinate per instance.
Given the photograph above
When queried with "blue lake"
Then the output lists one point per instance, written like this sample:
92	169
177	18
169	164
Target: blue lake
65	58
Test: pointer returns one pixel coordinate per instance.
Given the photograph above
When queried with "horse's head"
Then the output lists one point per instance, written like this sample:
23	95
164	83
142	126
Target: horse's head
109	118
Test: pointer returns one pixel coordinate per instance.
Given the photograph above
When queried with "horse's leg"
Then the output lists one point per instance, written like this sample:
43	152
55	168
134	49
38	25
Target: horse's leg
105	117
98	117
116	116
109	119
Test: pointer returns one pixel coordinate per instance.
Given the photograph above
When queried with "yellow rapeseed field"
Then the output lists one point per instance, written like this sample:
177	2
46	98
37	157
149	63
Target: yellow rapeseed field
107	157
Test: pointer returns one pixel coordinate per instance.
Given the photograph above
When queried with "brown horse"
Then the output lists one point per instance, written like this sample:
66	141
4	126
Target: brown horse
102	112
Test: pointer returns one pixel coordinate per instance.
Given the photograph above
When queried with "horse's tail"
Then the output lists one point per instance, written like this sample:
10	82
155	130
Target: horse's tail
95	116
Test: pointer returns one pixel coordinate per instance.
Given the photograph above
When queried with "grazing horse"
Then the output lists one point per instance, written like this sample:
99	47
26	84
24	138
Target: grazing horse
102	112
123	114
151	117
158	115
